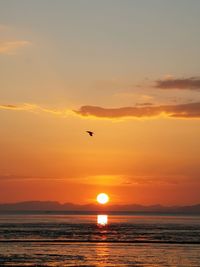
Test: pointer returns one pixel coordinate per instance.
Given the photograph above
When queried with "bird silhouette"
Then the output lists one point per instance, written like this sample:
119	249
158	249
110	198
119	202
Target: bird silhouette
90	133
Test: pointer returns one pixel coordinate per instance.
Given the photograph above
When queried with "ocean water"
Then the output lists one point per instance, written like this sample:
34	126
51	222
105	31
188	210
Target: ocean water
99	240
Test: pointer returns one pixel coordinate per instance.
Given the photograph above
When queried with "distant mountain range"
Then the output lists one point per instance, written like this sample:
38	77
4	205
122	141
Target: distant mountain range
53	206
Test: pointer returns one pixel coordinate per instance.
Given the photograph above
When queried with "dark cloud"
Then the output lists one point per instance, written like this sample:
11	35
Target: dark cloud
190	110
192	83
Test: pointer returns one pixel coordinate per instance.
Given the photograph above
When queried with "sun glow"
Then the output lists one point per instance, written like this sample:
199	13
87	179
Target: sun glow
102	198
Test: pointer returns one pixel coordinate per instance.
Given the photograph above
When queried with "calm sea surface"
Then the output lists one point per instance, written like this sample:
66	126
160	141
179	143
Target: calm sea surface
99	240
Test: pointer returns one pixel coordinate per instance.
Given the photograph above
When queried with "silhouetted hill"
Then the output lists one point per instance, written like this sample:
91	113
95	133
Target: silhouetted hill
56	206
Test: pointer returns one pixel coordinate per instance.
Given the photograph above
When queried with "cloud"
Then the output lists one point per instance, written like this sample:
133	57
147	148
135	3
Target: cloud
158	179
192	83
15	107
10	47
190	110
144	104
15	177
36	109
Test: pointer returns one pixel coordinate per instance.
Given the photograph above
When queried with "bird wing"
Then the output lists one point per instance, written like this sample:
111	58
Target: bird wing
90	133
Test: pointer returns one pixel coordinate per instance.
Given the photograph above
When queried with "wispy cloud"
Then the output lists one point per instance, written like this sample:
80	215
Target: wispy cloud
35	108
134	180
107	180
11	47
15	107
16	177
192	83
190	110
144	104
158	180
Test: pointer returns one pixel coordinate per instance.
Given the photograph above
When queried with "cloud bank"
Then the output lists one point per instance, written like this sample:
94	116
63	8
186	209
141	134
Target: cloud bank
191	110
192	83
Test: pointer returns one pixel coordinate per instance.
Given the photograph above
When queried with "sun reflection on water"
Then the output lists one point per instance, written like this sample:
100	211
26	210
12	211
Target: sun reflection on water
102	220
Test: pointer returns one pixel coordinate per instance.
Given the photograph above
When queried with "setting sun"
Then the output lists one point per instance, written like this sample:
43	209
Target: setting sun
102	198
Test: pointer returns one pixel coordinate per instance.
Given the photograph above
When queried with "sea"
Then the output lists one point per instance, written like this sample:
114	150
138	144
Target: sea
138	240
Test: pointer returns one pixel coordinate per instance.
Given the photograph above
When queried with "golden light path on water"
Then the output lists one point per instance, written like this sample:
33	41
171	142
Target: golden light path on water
102	220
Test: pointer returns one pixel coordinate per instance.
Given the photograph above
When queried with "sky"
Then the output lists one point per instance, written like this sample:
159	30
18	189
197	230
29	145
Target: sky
127	70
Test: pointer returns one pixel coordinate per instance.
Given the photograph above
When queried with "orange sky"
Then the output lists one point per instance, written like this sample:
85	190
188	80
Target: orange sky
110	68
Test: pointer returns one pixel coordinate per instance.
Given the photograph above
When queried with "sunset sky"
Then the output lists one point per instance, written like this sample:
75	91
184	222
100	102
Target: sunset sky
127	70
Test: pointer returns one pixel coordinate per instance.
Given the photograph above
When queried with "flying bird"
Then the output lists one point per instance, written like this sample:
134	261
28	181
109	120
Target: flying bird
90	133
